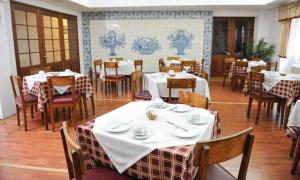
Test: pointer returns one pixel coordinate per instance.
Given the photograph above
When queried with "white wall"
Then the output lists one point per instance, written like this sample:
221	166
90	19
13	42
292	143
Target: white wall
7	61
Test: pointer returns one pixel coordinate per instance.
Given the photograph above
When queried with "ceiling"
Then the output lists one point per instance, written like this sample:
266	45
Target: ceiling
129	5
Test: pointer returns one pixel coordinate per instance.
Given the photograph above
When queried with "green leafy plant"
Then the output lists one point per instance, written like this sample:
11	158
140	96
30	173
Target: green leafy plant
262	50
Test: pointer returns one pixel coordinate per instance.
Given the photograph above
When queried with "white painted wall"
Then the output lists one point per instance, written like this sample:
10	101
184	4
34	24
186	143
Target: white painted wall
7	53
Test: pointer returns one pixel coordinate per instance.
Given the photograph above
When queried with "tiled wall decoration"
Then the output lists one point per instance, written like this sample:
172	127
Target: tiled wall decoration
147	44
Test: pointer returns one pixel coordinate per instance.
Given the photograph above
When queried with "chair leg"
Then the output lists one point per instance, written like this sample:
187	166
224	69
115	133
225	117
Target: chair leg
18	115
96	79
296	156
45	115
52	119
31	111
286	115
85	105
249	107
25	118
292	149
93	103
282	111
258	112
268	108
117	87
224	78
74	114
80	107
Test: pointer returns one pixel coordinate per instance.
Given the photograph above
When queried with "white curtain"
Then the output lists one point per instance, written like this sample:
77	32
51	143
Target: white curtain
293	47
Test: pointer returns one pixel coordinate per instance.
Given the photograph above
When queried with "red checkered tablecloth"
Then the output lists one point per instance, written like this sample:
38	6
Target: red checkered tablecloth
197	70
40	89
287	89
163	163
239	70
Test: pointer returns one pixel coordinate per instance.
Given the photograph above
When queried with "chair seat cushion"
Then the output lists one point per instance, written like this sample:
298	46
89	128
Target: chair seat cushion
174	101
105	173
114	77
265	95
65	99
144	95
217	172
28	98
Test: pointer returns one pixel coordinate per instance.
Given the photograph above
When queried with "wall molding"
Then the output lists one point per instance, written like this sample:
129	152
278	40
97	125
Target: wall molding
207	15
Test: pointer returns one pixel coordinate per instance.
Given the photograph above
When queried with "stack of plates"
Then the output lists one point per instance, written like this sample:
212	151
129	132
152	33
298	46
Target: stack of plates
198	120
140	132
181	108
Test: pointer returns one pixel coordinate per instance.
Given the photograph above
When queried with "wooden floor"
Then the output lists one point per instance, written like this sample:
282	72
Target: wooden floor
39	154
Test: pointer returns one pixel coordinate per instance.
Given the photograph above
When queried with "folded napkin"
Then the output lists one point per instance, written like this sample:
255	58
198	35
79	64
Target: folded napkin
61	89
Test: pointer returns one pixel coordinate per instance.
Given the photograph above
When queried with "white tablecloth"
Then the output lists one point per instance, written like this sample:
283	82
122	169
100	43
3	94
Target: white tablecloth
30	80
124	151
169	62
294	118
124	68
156	84
273	78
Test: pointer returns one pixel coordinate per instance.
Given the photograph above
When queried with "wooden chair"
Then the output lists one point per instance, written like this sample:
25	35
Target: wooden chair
272	66
98	63
173	58
258	68
75	161
191	64
35	70
116	58
239	75
161	64
137	92
210	153
138	63
294	133
204	75
180	83
167	69
260	95
193	99
70	99
115	78
226	68
22	100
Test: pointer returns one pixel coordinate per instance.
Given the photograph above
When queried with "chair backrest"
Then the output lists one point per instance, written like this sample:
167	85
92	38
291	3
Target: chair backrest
258	68
137	63
180	83
16	83
204	75
116	58
73	154
35	70
190	64
272	64
223	149
227	64
167	69
161	64
111	65
136	83
97	63
60	81
193	99
173	58
240	65
256	77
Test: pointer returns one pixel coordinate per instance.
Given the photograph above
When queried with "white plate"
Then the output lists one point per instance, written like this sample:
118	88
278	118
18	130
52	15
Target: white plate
120	128
182	108
149	134
164	105
201	120
184	134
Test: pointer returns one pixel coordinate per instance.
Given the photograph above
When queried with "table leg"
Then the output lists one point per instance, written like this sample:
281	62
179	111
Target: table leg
286	115
84	104
45	115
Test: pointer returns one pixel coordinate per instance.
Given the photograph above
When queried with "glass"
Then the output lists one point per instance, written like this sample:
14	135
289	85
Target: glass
55	33
31	19
20	17
49	56
46	21
220	37
241	36
21	32
32	31
67	54
57	55
47	33
23	46
65	23
48	45
34	45
24	60
54	22
35	58
56	45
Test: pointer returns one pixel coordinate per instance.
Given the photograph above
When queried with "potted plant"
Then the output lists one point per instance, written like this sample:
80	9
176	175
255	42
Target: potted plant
262	50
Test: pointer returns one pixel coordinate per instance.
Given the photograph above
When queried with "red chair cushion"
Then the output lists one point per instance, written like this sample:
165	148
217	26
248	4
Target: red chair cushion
265	95
65	99
114	77
217	172
174	101
28	98
105	174
143	95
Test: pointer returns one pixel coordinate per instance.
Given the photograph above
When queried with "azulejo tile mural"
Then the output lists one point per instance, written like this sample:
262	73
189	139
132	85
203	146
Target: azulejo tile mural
180	40
112	41
206	16
146	45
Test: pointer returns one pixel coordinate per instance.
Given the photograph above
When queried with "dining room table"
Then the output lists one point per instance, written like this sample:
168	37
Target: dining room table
125	67
177	63
283	85
166	151
156	84
241	70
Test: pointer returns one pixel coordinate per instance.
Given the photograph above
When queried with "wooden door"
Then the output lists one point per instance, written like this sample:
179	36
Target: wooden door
231	37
